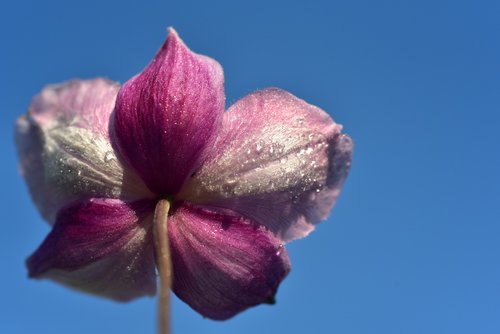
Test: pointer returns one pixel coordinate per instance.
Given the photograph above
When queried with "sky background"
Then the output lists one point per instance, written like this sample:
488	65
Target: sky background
413	245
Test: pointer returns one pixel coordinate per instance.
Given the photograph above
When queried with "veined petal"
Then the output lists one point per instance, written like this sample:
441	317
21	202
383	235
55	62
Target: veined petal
167	115
100	246
64	148
222	263
278	161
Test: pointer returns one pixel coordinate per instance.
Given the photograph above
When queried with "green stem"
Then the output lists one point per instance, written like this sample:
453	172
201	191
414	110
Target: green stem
160	232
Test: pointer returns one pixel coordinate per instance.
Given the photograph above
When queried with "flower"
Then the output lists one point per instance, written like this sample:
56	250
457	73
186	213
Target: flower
105	163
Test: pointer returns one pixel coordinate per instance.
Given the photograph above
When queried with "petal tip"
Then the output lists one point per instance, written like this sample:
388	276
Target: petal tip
172	32
174	43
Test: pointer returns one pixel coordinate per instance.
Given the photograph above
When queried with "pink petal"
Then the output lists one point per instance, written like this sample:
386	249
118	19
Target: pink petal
278	161
223	263
64	147
166	116
85	104
100	246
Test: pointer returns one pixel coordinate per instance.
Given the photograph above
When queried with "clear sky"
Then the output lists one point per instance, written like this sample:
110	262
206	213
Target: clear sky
413	245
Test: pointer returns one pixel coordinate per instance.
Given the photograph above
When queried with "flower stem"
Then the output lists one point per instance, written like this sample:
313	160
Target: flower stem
164	262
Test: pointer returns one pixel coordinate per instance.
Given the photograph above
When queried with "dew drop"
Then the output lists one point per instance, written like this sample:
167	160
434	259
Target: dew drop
280	250
300	121
108	156
258	147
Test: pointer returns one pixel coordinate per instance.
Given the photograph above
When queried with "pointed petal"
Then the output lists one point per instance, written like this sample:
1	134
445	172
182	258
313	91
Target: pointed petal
64	149
166	116
278	161
223	263
100	246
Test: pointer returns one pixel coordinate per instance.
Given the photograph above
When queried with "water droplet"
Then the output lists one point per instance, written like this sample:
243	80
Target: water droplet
258	147
283	160
108	156
271	149
300	121
79	172
301	152
280	249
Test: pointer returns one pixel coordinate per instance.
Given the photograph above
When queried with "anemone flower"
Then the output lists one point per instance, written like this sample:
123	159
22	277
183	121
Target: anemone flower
154	177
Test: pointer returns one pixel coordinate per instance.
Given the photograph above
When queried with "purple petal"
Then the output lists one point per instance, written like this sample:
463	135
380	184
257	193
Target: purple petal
223	263
278	161
166	116
100	246
64	147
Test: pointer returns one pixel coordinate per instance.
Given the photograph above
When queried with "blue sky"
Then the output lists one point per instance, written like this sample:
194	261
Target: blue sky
414	241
